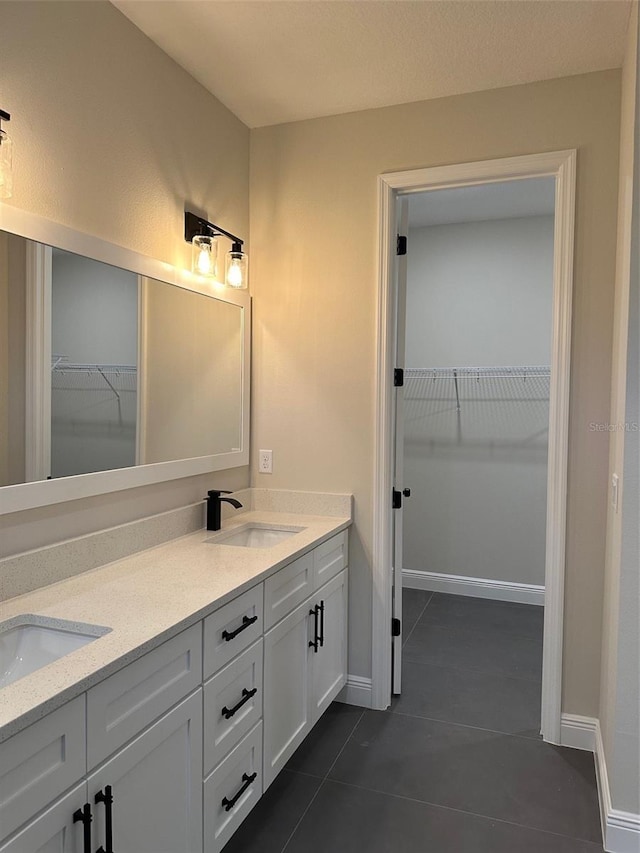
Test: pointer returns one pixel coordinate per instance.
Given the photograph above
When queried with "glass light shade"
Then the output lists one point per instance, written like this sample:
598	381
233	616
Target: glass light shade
6	165
204	254
236	268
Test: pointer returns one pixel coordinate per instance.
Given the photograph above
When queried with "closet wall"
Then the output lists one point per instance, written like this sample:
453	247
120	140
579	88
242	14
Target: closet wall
94	322
479	294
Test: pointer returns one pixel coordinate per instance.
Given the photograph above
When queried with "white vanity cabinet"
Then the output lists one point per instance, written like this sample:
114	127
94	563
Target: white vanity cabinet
155	785
130	738
305	658
170	753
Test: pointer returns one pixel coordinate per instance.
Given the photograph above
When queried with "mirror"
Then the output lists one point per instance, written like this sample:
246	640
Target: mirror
105	371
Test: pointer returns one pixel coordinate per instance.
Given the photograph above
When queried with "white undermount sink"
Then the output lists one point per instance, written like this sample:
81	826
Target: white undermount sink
29	642
255	535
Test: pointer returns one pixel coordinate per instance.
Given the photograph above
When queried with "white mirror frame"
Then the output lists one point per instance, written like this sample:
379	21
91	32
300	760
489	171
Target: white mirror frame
25	496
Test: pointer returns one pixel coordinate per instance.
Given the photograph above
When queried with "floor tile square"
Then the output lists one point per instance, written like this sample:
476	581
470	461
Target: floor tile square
343	819
491	650
515	779
320	748
503	704
478	614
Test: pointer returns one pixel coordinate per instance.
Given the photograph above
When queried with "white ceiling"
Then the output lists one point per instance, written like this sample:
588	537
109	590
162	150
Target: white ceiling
506	200
273	61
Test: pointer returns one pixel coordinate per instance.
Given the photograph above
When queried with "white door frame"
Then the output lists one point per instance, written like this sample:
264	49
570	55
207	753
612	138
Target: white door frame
562	166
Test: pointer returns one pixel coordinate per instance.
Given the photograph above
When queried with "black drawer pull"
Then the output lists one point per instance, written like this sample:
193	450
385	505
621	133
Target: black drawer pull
83	815
313	644
227	713
246	781
321	637
246	621
106	797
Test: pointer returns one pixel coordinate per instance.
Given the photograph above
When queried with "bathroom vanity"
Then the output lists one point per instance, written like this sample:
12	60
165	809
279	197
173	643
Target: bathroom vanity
161	735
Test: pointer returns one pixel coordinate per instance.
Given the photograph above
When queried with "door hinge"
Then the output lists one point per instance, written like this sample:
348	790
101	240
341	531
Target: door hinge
396	627
396	499
398	377
401	245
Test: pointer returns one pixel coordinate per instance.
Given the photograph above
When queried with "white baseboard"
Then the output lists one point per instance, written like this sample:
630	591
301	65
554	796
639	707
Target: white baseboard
521	593
620	830
578	732
357	691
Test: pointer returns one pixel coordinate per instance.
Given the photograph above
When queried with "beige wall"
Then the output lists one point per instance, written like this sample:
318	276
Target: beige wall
611	634
314	239
114	139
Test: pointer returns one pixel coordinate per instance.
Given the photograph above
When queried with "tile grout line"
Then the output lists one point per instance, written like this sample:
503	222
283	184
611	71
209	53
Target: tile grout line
597	844
322	781
415	624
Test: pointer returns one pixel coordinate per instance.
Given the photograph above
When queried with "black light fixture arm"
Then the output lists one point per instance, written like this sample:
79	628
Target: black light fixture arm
4	116
196	226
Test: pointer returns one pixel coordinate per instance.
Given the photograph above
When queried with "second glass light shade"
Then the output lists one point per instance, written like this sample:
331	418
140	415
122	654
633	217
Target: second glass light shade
236	267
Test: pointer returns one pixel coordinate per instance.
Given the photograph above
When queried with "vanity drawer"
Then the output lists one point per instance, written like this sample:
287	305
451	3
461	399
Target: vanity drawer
231	629
329	558
239	774
238	685
126	703
288	588
40	762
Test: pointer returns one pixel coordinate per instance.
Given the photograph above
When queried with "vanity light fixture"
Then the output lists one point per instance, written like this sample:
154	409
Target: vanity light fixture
203	237
6	159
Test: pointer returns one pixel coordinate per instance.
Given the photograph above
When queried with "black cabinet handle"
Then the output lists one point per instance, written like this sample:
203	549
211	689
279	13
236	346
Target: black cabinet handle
246	780
321	638
106	797
313	644
83	816
246	621
227	713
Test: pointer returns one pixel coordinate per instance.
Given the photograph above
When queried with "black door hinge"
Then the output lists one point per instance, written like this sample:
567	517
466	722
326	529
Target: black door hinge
398	377
396	499
401	245
396	627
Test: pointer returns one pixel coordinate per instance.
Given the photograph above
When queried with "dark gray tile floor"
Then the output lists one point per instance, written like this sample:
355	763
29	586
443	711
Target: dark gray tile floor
456	765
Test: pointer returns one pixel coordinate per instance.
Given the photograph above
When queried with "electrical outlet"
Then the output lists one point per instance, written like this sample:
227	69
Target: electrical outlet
265	461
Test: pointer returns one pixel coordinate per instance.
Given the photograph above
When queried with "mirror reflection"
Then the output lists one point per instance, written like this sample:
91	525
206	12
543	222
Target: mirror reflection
114	368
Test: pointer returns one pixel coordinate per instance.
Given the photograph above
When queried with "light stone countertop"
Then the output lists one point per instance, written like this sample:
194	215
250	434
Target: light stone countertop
145	599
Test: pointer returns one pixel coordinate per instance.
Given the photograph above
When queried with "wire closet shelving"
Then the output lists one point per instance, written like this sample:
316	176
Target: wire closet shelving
503	406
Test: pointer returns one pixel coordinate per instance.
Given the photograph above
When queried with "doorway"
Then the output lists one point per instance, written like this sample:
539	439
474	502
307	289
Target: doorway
394	188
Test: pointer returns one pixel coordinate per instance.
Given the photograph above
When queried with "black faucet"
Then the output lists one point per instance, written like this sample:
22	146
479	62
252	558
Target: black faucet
214	500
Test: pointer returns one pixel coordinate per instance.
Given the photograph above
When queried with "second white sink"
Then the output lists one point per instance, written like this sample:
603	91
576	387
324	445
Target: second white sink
255	536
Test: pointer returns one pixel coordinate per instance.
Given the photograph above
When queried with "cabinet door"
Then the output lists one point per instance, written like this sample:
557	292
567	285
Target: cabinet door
40	763
329	665
156	784
286	690
54	831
